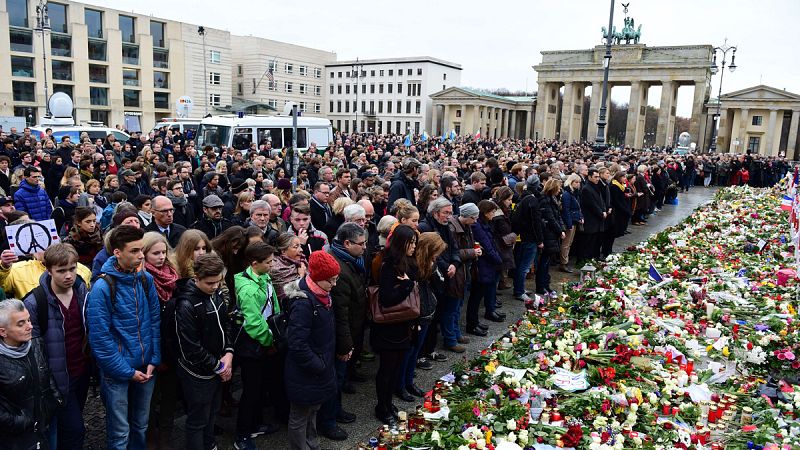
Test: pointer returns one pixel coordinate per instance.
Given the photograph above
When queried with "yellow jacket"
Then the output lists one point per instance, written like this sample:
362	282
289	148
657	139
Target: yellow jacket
23	277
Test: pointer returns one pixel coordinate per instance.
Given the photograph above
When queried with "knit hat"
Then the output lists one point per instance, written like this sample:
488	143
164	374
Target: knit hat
122	215
239	187
284	184
468	210
322	266
533	181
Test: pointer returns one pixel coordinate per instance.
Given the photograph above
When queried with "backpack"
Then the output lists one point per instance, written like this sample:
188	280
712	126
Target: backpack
520	216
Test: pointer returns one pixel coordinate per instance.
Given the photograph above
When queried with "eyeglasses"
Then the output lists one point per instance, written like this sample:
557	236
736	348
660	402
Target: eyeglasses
362	243
165	211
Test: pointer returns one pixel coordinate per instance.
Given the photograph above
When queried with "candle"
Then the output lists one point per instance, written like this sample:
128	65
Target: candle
690	366
669	356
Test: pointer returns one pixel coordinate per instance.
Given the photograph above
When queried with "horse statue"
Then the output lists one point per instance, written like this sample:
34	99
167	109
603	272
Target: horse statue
615	36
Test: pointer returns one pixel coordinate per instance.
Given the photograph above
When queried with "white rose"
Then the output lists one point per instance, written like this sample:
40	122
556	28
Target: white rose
511	424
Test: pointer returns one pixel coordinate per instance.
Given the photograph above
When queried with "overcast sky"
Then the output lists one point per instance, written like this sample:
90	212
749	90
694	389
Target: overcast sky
496	42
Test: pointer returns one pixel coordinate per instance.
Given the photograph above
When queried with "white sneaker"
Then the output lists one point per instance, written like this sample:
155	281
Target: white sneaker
523	298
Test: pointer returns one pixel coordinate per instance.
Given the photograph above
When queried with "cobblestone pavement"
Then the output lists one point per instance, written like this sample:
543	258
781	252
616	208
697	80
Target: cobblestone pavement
362	402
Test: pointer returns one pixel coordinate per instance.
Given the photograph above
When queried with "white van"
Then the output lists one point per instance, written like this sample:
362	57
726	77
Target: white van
93	129
179	124
240	132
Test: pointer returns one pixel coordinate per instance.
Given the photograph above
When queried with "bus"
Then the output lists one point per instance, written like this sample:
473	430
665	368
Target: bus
241	132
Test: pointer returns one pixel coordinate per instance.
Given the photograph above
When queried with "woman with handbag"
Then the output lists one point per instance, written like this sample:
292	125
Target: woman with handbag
260	361
391	340
310	368
505	238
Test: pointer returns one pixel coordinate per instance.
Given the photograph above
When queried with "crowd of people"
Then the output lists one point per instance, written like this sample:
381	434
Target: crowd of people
179	268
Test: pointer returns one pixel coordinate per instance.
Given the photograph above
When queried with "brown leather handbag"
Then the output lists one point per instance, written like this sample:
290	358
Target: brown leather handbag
404	311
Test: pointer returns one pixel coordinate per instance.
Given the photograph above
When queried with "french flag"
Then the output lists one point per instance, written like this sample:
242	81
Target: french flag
653	272
786	203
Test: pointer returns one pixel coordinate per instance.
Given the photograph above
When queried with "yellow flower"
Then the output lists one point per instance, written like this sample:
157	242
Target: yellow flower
488	436
490	368
561	309
726	352
783	332
708	349
791	310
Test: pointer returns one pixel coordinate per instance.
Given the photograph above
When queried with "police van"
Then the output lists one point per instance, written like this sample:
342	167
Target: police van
241	132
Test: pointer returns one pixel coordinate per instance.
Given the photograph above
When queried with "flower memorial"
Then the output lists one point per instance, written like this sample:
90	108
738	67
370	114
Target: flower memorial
707	357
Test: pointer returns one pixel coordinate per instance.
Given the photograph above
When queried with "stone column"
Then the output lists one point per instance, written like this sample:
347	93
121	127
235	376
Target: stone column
528	117
513	118
503	123
637	106
768	142
666	120
492	122
476	124
594	111
446	120
700	97
724	133
744	120
567	108
791	146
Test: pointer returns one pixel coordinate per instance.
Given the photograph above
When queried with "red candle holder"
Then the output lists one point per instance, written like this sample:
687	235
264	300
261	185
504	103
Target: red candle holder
689	366
669	357
665	409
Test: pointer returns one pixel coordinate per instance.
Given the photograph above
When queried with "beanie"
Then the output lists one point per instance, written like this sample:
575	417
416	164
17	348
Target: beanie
122	215
468	210
322	266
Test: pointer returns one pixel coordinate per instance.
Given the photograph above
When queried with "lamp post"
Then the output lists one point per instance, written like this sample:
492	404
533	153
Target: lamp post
600	140
42	26
355	72
202	32
724	49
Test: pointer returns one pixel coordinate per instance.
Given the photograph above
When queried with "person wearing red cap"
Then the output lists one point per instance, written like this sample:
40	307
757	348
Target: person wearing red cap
309	373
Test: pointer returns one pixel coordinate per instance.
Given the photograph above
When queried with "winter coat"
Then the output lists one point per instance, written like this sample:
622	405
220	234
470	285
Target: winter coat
552	224
349	298
450	255
622	210
503	233
87	246
127	338
212	228
33	200
203	330
175	232
310	374
593	207
252	294
402	187
29	398
54	337
23	276
490	261
530	219
284	271
391	291
570	208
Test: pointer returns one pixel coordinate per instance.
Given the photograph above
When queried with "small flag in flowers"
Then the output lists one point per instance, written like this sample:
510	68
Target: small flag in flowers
654	274
786	203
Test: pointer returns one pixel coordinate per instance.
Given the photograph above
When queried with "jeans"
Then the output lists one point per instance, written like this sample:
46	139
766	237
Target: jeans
482	291
303	427
451	313
67	430
127	411
524	255
409	363
543	274
326	416
202	399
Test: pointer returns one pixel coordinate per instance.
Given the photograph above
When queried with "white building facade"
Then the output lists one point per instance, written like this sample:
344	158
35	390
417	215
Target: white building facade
387	95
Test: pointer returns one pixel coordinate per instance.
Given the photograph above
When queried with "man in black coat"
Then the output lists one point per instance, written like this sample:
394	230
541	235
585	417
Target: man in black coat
527	223
594	215
405	182
320	209
212	223
163	215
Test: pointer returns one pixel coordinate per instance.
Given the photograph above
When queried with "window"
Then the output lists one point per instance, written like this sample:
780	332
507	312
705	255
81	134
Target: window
408	72
363	105
288	68
161	80
242	138
347	88
239	89
371	88
331	75
752	144
371	107
330	106
160	58
127	26
397	127
399	88
214	56
347	107
62	70
97	50
17	13
130	54
391	72
60	44
418	107
161	100
317	72
21	67
339	75
389	108
94	23
131	98
303	89
24	92
272	65
98	74
214	78
372	73
444	86
288	87
408	107
380	72
317	90
757	121
331	89
399	108
301	137
272	103
410	90
98	96
65	88
303	71
339	106
389	87
363	88
21	40
157	31
99	116
339	89
416	127
239	70
303	106
317	108
444	76
214	99
419	71
130	77
380	88
58	17
458	113
380	107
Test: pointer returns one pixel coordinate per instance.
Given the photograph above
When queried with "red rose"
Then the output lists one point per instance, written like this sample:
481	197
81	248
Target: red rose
573	436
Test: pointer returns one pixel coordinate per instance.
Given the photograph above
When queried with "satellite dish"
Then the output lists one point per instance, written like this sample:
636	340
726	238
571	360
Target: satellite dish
184	106
60	105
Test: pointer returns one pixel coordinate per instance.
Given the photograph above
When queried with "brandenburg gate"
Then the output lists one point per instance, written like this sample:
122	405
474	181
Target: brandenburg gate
634	65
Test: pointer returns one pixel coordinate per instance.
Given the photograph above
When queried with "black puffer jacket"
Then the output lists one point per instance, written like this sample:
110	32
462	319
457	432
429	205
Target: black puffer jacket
29	398
204	330
552	224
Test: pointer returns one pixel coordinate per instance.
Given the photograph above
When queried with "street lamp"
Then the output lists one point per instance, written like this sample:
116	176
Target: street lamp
600	140
42	26
724	49
202	32
355	72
